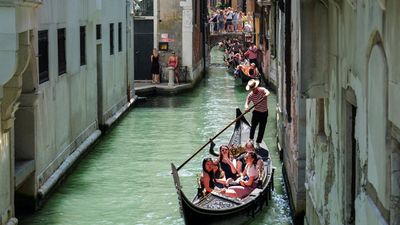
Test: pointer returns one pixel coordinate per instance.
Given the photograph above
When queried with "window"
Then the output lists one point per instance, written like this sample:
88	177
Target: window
83	45
320	117
43	43
62	59
144	8
98	31
111	39
120	37
195	14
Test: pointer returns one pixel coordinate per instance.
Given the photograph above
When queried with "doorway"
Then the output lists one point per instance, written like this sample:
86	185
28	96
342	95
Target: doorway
351	164
144	38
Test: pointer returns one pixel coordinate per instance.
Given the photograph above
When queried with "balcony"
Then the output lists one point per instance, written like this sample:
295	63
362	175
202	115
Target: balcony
264	2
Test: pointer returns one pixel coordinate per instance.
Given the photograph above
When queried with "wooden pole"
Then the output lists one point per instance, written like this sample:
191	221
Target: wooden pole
211	139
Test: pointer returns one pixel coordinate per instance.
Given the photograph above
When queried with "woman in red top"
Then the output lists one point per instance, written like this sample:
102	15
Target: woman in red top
173	62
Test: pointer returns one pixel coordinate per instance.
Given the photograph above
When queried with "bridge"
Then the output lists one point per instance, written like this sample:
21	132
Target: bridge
215	38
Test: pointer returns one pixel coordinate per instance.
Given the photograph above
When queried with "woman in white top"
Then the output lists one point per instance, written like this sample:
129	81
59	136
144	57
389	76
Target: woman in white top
248	181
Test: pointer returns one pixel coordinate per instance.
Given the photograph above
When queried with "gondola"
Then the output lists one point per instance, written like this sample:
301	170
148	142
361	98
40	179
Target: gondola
241	76
215	208
245	78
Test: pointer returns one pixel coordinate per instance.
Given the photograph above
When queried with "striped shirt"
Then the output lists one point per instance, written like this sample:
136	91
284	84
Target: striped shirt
256	97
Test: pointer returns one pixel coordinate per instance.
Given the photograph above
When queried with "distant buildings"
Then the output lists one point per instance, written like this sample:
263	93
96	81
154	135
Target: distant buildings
169	26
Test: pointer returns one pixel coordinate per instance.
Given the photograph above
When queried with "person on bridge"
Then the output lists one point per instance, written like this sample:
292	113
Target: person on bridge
221	21
260	112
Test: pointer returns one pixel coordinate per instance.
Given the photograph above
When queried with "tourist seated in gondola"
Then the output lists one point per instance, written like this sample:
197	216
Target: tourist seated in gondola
211	176
248	181
226	163
241	161
219	175
239	72
252	71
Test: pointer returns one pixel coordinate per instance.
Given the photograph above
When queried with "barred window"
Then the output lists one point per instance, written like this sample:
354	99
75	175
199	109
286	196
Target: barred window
98	31
62	59
120	37
43	43
111	39
83	44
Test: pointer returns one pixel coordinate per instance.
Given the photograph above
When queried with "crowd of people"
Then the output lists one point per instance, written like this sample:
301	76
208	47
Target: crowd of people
241	60
230	20
233	177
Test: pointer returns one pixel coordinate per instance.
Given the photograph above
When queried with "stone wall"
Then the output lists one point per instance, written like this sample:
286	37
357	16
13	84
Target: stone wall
18	26
59	118
338	119
171	24
351	176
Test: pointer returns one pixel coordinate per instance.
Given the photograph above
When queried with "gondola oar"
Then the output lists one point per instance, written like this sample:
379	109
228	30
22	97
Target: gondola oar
211	139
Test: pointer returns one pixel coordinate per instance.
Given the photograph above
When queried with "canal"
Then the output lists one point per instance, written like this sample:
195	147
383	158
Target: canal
125	179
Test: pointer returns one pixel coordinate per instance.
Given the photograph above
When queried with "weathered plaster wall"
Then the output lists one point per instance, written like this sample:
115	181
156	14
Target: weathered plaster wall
114	66
67	103
293	118
6	184
362	58
197	46
17	23
171	24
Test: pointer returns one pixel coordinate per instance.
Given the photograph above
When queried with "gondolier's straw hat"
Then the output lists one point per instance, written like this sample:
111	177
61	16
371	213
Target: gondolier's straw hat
252	84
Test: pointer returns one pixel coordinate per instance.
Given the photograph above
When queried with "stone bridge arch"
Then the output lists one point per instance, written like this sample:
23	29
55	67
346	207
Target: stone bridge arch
214	39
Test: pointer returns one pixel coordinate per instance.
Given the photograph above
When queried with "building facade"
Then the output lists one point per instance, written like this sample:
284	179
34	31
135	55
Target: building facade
170	26
339	123
65	75
17	61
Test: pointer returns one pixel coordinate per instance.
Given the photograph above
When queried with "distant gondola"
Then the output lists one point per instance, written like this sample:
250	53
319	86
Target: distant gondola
215	208
242	76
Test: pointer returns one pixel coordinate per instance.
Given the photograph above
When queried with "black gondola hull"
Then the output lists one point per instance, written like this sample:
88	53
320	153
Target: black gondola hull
218	209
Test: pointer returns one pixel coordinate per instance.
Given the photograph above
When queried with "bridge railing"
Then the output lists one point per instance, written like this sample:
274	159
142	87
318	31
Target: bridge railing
234	26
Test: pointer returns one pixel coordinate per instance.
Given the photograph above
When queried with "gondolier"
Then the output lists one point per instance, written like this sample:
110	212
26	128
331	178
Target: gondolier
260	112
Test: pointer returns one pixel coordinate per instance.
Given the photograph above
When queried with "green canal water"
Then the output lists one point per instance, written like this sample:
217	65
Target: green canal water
125	179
